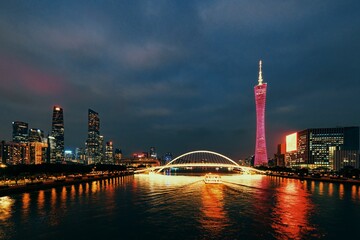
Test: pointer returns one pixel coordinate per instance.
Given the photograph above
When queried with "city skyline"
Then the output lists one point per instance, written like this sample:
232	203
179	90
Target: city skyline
179	76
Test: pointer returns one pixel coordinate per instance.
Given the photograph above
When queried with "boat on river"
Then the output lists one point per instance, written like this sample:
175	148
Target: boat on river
212	178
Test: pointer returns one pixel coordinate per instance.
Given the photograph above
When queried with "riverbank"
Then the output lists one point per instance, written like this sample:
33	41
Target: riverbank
321	179
66	181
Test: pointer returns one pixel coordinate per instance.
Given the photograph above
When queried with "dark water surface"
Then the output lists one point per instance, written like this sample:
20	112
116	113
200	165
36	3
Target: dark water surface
184	207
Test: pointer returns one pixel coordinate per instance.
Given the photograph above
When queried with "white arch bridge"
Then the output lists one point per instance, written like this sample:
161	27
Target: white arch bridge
201	158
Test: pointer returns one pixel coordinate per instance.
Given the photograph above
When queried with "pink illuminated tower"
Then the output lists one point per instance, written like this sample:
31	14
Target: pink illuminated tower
260	99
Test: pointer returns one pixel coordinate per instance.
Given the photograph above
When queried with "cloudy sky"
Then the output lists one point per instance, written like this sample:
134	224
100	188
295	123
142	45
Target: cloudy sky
179	75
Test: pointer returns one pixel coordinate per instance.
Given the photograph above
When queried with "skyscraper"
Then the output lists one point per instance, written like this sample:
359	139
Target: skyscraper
153	153
320	147
260	100
36	135
57	133
109	152
20	132
93	146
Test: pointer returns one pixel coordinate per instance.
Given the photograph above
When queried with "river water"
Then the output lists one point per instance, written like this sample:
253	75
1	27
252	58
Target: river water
184	207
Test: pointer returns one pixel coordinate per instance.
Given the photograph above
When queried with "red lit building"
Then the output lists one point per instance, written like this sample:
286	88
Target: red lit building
261	157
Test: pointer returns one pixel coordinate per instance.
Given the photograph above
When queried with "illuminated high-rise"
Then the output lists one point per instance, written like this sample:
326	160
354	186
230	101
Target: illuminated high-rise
330	148
109	152
153	153
57	133
93	147
20	132
260	100
36	135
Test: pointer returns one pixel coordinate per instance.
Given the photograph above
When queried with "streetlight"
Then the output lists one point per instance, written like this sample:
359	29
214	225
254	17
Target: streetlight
2	167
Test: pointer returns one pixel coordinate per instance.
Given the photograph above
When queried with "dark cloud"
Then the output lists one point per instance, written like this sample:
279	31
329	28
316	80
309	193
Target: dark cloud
179	75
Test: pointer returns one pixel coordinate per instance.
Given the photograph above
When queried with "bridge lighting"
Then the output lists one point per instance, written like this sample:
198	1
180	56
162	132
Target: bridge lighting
195	159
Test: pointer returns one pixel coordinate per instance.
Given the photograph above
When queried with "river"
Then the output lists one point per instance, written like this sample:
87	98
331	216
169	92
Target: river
184	207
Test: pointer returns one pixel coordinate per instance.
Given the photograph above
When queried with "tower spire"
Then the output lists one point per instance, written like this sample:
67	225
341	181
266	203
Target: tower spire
260	73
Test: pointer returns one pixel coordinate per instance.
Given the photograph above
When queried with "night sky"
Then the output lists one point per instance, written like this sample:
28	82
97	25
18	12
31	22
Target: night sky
179	75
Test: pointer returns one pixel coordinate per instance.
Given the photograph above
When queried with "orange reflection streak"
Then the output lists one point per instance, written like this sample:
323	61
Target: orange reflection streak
331	189
63	198
86	190
52	214
312	186
81	189
321	188
94	187
292	209
53	197
41	200
63	194
213	216
353	192
6	204
26	203
341	191
72	192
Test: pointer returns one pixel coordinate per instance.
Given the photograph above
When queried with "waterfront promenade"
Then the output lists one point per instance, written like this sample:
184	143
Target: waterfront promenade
60	181
71	179
337	179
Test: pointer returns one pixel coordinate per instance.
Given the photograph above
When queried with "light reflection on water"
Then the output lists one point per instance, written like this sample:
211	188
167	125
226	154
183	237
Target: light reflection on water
183	207
213	215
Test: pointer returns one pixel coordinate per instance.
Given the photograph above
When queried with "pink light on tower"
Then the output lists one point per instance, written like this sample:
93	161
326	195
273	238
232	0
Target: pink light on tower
260	100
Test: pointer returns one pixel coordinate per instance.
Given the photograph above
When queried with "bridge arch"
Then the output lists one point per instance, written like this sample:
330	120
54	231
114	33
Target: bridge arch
200	158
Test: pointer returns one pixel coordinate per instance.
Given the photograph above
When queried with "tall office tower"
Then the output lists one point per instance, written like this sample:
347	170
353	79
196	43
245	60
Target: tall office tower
37	146
153	153
20	132
101	147
168	157
36	135
80	155
109	153
93	143
118	155
260	99
57	132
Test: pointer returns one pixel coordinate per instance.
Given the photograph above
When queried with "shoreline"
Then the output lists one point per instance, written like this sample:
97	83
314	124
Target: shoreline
319	179
35	186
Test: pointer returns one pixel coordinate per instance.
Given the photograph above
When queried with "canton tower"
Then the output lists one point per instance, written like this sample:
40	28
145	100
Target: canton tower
260	99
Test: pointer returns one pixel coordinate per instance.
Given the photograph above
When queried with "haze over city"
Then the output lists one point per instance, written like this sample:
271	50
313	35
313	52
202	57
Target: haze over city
179	75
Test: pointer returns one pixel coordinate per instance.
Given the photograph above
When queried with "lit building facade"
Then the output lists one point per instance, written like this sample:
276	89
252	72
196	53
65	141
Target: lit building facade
20	132
153	153
36	153
37	146
109	152
13	153
280	155
118	156
93	148
36	135
344	158
57	134
261	156
318	147
168	157
80	155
